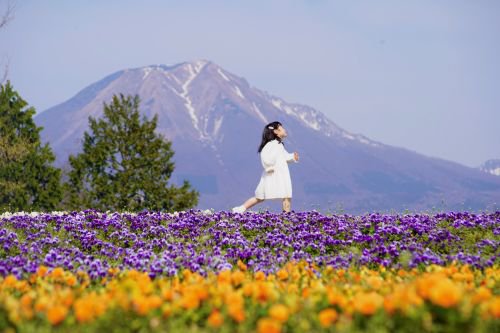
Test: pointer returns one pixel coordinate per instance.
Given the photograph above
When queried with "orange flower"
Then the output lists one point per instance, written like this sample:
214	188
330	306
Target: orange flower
190	301
327	317
482	294
495	307
237	313
279	312
368	303
71	280
234	299
10	281
237	277
83	309
241	265
154	301
262	291
375	282
445	293
259	276
113	271
186	273
390	303
42	270
57	273
224	276
268	325
167	294
426	283
166	310
56	314
215	319
26	301
282	274
141	305
335	297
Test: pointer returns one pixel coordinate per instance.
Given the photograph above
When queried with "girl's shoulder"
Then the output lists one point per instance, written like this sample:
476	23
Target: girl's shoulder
271	143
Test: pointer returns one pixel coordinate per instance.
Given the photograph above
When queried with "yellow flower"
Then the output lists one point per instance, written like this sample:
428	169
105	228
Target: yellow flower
84	309
215	319
375	282
368	303
141	305
282	274
259	276
71	280
495	307
445	293
241	265
10	281
237	313
237	277
190	300
335	297
224	276
279	312
57	273
41	271
482	294
268	325
327	317
56	314
426	283
167	294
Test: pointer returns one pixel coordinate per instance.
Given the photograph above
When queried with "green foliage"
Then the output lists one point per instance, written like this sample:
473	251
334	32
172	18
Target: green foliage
125	165
28	181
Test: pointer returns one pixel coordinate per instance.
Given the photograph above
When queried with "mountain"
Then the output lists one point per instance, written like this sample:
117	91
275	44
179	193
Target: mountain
491	166
215	120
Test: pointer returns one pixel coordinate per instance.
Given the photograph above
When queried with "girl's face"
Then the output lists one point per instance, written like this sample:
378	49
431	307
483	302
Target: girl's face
280	132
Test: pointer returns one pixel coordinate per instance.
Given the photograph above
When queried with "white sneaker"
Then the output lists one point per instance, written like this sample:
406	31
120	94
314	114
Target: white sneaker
239	209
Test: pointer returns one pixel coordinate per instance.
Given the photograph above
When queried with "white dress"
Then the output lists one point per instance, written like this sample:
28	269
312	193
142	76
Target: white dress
276	184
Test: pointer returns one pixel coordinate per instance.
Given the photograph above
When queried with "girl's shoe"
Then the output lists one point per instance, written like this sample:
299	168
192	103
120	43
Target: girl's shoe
239	209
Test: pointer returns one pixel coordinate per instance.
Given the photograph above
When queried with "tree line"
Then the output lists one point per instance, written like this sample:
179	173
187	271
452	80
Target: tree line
124	164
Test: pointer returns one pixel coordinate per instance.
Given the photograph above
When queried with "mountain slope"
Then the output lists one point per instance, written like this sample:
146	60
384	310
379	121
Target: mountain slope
215	119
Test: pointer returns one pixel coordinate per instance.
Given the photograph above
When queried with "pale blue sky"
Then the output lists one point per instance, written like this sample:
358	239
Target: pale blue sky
418	74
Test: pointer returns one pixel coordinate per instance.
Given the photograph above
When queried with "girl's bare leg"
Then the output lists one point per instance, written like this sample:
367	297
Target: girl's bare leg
287	204
252	202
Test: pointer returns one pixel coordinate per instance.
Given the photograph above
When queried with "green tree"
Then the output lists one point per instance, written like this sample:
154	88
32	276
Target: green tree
125	165
28	181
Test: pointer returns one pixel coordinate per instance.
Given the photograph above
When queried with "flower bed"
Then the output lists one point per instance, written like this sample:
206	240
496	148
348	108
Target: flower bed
299	297
89	271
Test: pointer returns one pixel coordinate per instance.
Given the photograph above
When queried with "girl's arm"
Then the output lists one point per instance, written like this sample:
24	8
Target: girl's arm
290	157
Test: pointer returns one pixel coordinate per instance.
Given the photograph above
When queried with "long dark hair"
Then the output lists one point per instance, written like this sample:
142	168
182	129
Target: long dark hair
269	135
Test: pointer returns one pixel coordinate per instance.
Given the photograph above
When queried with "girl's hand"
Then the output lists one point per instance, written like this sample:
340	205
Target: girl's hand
296	156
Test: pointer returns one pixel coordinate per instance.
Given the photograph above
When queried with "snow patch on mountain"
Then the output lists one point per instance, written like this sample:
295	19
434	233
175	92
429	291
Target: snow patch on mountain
491	166
217	125
146	71
238	92
259	113
193	72
222	75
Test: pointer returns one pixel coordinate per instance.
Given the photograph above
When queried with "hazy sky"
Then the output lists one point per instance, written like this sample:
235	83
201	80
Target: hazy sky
424	75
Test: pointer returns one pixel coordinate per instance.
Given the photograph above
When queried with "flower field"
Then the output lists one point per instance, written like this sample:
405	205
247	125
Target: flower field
200	271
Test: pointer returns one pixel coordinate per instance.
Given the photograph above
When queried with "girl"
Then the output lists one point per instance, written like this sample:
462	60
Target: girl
275	181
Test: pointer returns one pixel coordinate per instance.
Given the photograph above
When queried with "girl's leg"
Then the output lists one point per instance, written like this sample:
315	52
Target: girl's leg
287	204
252	202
